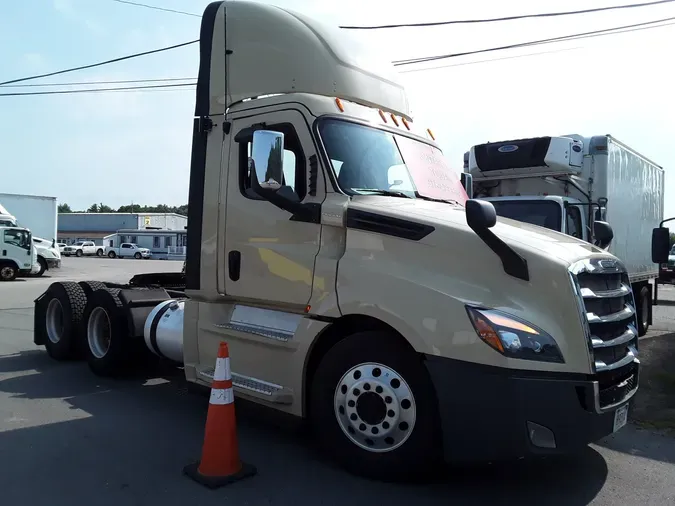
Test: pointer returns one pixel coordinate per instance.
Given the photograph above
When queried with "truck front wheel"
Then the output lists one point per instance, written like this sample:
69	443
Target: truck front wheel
8	272
374	410
79	253
643	307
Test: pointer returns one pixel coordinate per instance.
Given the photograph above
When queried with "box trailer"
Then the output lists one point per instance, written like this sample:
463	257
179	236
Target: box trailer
37	213
575	185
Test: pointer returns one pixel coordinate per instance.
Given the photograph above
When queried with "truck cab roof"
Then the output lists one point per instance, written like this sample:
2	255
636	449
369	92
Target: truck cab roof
271	50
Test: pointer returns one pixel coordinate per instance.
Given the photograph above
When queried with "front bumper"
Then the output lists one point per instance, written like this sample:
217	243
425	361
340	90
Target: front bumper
53	263
489	413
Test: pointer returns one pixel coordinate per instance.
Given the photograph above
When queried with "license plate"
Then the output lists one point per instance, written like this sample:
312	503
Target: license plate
620	417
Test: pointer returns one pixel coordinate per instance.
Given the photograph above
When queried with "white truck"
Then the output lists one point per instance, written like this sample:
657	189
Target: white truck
37	210
405	326
17	253
83	248
128	250
576	185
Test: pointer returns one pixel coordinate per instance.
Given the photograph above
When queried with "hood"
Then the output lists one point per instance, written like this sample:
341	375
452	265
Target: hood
518	234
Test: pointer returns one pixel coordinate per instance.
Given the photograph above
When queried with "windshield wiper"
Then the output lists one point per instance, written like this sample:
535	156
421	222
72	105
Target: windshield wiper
431	199
387	193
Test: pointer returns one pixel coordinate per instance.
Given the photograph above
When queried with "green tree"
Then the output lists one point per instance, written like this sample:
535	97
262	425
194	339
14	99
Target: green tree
274	163
64	208
93	208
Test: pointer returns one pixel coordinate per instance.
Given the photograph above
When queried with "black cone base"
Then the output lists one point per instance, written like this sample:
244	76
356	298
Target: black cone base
213	482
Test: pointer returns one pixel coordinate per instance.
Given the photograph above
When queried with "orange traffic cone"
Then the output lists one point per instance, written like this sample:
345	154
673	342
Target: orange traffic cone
220	464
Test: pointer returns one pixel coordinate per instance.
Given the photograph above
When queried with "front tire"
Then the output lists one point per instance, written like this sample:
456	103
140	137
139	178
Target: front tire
79	253
643	305
43	267
8	272
373	409
137	256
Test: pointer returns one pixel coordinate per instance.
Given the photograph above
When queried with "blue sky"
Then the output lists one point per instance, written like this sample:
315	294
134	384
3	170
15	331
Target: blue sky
135	146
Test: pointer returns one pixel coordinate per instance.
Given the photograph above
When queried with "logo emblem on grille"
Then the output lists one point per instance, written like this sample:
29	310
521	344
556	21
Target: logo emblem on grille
509	148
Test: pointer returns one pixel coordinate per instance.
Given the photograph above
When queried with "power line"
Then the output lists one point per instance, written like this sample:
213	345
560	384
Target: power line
594	33
87	83
92	65
155	87
507	18
475	62
154	7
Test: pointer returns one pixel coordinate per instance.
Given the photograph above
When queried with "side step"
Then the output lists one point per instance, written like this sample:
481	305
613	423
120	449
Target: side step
255	387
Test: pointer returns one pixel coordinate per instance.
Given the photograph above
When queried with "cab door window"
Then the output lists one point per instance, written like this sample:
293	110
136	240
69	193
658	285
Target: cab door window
18	238
574	226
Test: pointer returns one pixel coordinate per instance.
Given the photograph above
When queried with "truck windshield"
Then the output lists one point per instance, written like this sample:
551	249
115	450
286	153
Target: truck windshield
544	213
19	238
367	160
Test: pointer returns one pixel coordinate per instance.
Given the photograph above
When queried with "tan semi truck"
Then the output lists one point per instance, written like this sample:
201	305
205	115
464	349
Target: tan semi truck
358	286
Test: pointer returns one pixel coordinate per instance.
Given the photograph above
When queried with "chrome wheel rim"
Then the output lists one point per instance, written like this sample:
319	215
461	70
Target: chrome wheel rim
54	320
375	407
99	332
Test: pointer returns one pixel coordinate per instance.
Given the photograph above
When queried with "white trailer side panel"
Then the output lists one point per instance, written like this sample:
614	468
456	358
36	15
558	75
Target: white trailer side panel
37	213
634	187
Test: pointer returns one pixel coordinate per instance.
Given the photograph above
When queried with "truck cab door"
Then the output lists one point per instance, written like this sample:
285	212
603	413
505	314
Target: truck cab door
267	257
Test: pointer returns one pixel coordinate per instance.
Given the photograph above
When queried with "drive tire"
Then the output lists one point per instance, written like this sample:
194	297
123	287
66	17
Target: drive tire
64	307
643	300
79	253
419	457
105	318
111	254
8	272
90	287
137	256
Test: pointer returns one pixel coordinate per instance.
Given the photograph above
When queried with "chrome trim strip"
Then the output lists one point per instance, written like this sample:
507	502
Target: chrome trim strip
624	314
631	356
587	293
630	334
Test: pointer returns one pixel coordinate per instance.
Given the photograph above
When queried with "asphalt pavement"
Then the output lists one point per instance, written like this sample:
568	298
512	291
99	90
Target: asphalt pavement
68	437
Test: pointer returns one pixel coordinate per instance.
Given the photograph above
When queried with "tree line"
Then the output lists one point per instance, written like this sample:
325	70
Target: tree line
129	208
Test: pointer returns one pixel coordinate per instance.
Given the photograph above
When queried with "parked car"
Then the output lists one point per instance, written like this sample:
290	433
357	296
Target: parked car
48	256
82	248
128	250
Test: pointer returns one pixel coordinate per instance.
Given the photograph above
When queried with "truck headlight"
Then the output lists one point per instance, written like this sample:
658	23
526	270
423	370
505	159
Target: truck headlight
513	337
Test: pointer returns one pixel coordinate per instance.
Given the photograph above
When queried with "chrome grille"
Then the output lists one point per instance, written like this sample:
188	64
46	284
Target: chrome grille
608	308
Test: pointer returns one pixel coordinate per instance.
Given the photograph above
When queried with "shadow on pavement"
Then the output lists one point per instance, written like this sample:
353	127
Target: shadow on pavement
74	438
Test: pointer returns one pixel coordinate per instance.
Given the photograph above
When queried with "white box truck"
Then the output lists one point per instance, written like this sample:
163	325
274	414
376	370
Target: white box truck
575	185
39	215
405	325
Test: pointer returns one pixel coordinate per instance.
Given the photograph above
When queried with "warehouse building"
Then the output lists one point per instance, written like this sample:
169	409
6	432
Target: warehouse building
73	227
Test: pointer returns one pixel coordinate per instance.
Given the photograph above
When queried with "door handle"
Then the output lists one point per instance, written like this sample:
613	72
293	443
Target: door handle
234	264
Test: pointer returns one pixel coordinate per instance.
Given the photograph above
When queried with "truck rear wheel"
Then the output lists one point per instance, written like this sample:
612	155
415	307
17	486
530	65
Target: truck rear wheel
107	334
99	252
373	409
643	306
111	254
61	320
